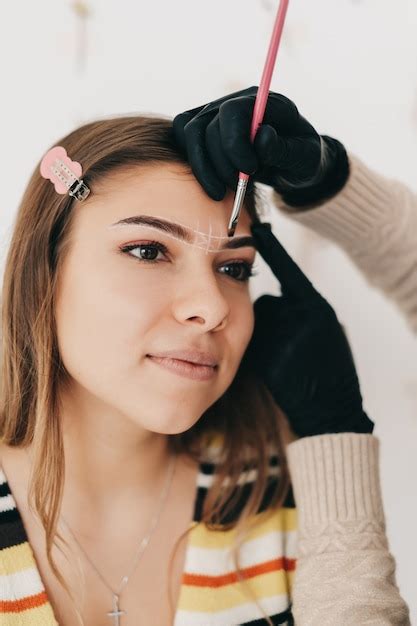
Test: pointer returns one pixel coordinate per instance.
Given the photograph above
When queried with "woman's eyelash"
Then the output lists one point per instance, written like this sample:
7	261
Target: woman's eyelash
160	247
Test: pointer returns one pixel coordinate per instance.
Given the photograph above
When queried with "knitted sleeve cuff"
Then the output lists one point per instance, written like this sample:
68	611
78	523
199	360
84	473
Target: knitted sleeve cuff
335	478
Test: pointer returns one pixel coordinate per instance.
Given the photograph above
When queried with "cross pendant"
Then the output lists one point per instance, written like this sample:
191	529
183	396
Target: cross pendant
116	613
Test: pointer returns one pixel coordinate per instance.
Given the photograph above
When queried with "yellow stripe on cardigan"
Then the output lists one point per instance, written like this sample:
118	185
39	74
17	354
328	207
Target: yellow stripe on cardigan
16	559
282	520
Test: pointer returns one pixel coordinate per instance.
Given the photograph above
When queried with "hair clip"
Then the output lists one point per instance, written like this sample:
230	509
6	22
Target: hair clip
57	167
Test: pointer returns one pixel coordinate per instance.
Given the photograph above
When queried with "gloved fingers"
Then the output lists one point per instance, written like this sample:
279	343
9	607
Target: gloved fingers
235	119
235	116
283	115
221	163
284	140
271	310
268	145
295	154
294	283
181	120
199	158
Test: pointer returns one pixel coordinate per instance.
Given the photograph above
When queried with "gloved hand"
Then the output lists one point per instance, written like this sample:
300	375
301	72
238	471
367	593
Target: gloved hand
300	351
287	153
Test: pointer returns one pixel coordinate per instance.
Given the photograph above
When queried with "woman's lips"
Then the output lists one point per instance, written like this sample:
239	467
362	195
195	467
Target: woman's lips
185	368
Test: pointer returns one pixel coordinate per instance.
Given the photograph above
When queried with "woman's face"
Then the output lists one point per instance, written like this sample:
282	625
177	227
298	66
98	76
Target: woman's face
114	307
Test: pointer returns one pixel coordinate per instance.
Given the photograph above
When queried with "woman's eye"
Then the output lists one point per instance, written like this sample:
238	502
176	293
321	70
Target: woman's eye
149	248
238	270
247	268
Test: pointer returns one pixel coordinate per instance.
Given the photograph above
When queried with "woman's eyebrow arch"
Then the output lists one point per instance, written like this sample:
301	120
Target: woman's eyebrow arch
179	231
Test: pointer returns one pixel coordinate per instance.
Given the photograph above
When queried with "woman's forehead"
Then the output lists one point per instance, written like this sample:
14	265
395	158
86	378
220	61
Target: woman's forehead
166	198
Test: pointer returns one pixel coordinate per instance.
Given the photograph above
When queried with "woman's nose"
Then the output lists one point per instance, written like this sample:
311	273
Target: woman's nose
201	299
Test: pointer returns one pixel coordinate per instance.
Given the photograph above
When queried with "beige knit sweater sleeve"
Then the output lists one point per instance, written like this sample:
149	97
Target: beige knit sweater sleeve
374	220
345	574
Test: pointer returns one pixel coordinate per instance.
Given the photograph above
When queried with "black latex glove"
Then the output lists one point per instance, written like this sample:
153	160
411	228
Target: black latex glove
300	351
287	153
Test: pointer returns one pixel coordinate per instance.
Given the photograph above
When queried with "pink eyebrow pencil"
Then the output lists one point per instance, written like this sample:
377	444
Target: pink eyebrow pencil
259	108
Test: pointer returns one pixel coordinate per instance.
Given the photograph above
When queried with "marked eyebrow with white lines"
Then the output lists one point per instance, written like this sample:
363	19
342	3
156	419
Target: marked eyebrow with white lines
185	233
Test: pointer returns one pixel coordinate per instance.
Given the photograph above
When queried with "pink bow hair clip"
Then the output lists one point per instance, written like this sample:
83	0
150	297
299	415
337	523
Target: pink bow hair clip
57	167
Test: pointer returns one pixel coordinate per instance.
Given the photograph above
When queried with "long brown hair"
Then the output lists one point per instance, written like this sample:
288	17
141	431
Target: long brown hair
31	368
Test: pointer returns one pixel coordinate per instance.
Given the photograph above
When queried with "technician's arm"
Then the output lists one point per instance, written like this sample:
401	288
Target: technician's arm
374	220
345	573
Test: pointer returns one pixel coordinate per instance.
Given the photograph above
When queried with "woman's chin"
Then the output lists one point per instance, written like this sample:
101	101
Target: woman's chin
172	425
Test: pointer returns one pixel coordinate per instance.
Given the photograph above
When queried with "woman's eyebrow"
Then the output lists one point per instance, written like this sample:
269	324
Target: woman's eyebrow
181	232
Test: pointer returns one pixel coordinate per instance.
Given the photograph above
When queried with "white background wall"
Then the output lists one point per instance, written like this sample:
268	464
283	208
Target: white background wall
351	67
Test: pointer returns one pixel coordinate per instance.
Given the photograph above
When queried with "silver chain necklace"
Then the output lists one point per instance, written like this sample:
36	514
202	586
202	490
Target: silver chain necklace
116	611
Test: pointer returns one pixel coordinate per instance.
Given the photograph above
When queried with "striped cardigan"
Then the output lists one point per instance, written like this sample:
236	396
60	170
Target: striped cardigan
344	571
210	592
